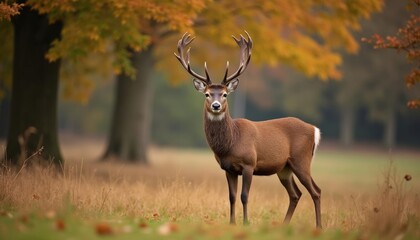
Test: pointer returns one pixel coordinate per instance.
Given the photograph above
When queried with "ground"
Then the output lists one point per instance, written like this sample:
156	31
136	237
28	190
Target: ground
367	193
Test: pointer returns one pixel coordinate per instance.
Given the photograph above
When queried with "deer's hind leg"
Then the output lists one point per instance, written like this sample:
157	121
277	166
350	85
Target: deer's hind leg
301	168
287	180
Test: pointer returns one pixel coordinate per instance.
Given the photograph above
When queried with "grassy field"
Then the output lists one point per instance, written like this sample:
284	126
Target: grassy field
183	195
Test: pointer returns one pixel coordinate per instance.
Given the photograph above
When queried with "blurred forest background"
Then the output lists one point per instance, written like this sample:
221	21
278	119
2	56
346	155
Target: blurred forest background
368	104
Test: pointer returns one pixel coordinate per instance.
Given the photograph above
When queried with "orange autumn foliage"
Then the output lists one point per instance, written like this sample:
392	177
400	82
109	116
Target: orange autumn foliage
306	35
406	40
9	10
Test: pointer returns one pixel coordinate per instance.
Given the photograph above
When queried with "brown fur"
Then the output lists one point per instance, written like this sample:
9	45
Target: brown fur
236	140
283	146
220	144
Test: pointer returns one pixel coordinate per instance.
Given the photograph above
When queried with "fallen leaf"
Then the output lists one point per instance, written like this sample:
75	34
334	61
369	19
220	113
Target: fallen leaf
103	229
240	235
60	225
143	225
24	218
316	232
145	228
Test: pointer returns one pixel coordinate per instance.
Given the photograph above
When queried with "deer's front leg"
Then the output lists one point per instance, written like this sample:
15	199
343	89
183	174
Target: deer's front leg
246	185
232	180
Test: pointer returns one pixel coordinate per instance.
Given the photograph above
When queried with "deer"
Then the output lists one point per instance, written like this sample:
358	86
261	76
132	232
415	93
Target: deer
283	146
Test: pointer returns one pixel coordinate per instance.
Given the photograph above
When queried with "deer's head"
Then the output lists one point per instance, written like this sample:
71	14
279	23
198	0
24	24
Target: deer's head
216	94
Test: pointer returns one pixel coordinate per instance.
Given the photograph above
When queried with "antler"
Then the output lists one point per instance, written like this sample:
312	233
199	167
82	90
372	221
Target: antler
245	46
185	60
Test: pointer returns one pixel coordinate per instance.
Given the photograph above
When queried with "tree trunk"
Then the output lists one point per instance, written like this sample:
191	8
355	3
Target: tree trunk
390	129
347	126
4	116
130	127
34	90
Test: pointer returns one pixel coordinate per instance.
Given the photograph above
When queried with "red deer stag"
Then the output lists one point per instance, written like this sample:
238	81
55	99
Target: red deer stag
284	146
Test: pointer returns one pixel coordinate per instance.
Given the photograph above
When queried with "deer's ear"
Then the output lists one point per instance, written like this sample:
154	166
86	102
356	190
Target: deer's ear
232	85
199	85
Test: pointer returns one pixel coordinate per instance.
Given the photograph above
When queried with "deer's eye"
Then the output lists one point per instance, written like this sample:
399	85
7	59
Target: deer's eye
207	95
224	94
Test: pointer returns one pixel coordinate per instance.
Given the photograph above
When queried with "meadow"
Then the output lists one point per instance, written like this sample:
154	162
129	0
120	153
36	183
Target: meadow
182	194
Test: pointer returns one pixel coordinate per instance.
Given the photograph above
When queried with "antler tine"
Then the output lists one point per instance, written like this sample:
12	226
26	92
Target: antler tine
227	69
185	60
205	69
182	43
245	47
249	41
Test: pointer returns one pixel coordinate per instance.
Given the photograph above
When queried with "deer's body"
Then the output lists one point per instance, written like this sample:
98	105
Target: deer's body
248	146
282	146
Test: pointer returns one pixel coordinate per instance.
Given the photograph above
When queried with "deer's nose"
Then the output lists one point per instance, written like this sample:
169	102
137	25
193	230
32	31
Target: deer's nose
216	106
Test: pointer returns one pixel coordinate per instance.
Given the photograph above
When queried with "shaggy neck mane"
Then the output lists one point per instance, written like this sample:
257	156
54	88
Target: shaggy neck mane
220	133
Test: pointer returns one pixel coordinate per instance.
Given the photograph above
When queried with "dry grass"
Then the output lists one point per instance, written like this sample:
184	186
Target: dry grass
187	186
